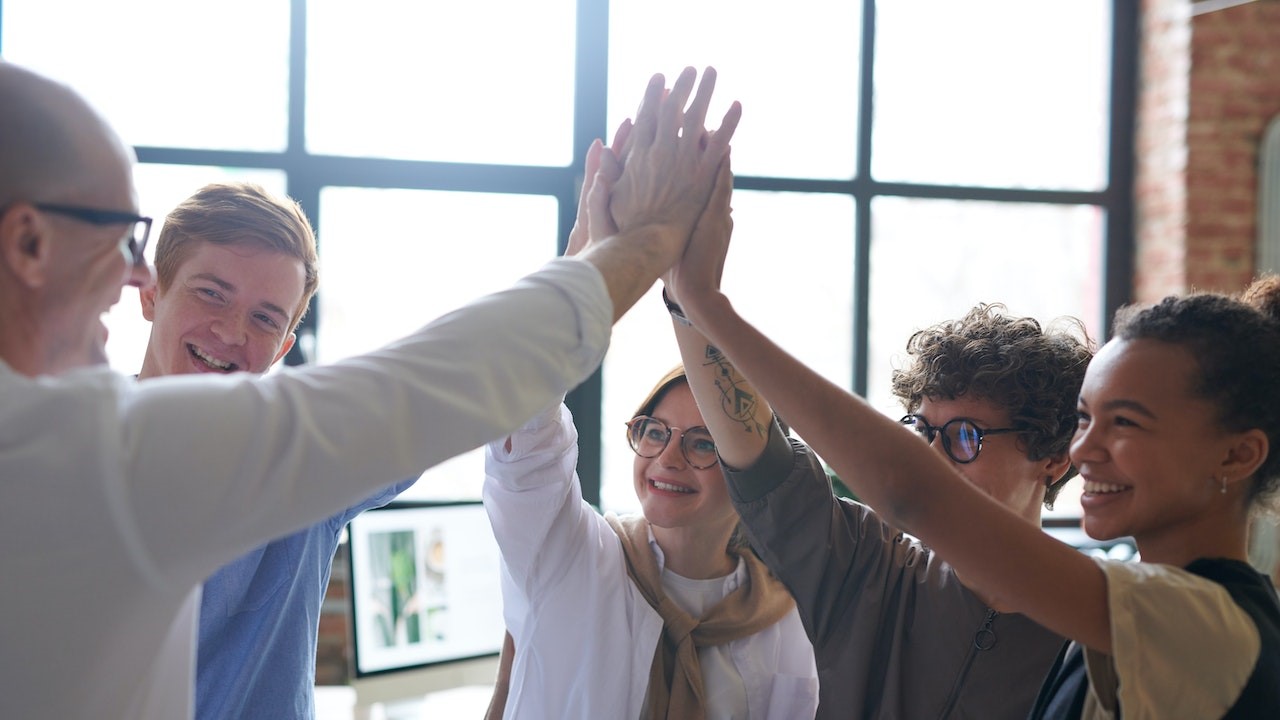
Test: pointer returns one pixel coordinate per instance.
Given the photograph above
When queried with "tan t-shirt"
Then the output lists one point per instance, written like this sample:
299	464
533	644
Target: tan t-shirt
1181	647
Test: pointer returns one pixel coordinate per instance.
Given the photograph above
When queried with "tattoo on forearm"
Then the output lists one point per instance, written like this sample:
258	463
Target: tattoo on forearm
737	398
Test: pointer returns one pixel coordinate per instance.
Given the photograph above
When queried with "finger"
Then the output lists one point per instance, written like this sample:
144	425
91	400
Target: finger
620	138
599	223
719	142
673	106
696	115
609	167
647	116
588	178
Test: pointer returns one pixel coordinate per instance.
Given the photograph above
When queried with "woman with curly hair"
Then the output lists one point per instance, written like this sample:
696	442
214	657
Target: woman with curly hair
1174	426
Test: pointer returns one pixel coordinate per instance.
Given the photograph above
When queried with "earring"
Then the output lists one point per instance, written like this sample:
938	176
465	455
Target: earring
1224	484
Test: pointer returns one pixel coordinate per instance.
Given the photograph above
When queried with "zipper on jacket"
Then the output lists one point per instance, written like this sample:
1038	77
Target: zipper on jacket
983	639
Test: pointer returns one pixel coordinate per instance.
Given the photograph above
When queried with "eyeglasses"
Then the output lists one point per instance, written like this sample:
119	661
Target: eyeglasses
141	226
649	437
961	437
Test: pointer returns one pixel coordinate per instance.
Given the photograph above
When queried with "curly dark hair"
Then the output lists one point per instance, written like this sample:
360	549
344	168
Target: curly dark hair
1235	343
1032	373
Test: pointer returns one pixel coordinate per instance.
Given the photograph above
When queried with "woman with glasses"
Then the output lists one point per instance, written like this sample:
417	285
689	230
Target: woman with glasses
664	614
658	615
1175	421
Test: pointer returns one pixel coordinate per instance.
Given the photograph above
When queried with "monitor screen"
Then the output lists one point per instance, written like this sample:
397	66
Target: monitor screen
425	586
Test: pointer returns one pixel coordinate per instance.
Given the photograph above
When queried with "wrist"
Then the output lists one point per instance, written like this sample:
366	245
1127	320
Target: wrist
677	313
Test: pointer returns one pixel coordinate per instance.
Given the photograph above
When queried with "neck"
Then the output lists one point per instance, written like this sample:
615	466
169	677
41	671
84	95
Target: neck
21	350
696	553
1219	530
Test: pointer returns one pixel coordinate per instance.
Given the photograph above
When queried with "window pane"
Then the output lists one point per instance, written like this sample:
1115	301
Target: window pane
791	279
393	260
478	82
794	68
992	93
198	75
160	189
935	259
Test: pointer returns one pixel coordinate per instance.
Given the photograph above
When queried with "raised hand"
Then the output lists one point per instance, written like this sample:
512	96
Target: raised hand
697	274
670	160
601	172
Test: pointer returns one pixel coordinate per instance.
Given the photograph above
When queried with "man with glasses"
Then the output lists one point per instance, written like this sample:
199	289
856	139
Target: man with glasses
121	497
895	632
235	270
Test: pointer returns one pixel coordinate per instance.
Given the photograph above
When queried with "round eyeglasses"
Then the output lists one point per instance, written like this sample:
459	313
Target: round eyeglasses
649	436
961	437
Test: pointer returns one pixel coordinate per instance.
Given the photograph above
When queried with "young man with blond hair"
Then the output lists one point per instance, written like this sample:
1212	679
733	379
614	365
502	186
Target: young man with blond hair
236	268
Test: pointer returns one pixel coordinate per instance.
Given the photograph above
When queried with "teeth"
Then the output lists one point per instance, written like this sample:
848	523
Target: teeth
669	487
1101	487
210	360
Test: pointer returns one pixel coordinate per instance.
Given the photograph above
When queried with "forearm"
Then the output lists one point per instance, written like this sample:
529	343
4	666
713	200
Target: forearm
733	411
913	488
632	260
820	411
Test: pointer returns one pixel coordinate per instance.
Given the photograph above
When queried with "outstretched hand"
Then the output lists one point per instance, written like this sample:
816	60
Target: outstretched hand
697	274
670	160
593	221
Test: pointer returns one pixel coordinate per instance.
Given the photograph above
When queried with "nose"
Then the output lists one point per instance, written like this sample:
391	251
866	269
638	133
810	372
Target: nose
937	444
229	328
140	275
671	456
1085	445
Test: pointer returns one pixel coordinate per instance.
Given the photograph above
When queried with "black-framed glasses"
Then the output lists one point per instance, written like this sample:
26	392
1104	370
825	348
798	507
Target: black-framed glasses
649	436
961	437
140	225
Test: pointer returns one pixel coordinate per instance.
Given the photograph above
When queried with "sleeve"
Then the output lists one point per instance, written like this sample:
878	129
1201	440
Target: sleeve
376	500
1181	647
212	469
807	536
534	502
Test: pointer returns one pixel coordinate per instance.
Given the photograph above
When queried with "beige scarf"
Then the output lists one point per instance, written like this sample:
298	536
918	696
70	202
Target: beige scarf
675	678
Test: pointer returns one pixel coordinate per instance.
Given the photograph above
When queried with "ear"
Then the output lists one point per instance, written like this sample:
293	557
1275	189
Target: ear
1055	467
25	244
285	347
1245	454
147	296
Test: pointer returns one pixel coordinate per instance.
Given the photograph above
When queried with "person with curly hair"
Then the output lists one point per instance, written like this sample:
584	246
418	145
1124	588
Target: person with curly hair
897	633
1175	422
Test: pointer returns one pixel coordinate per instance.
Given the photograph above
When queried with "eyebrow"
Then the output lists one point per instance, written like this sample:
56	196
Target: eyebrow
268	306
1122	404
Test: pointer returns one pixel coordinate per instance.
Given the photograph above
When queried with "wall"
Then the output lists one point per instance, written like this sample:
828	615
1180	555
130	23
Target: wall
1210	83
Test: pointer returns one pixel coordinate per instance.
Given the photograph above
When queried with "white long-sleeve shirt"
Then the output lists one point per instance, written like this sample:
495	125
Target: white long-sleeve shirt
117	498
584	635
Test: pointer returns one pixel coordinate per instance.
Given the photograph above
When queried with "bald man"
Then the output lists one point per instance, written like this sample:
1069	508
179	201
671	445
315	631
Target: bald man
120	497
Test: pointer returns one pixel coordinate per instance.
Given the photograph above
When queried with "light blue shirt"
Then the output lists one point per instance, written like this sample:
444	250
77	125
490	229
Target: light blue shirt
259	619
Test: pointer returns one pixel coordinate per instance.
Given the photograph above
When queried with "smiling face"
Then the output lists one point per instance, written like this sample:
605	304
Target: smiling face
227	309
672	494
1001	469
1150	451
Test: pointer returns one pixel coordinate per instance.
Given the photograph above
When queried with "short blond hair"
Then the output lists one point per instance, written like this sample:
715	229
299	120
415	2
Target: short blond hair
239	213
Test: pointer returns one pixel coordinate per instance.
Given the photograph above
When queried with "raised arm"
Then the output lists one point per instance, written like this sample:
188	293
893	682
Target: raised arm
734	412
1014	565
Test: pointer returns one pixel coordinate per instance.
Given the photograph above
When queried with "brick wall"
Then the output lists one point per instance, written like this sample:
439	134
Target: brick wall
1210	83
333	650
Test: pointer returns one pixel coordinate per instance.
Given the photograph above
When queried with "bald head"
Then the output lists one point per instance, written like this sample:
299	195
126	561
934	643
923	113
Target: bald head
53	145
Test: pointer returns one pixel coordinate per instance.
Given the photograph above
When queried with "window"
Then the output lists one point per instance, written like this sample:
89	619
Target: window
897	161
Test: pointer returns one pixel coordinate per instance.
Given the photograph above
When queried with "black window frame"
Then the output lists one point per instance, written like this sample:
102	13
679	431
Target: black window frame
307	173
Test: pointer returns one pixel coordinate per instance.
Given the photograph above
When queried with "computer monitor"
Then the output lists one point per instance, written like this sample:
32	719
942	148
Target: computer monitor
425	586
